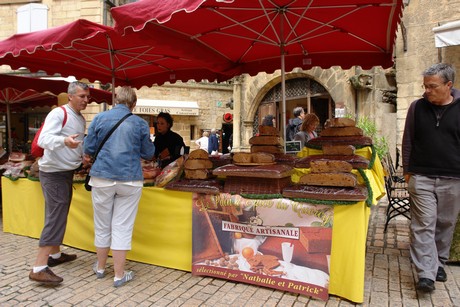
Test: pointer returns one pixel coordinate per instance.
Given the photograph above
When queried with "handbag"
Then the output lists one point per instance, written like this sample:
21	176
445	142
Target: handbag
88	177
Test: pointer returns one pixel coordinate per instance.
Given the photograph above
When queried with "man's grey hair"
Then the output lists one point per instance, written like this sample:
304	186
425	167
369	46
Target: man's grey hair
72	89
443	70
127	96
297	111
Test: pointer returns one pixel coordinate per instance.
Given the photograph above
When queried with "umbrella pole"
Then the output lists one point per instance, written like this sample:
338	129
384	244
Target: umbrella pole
283	95
113	89
112	66
283	84
8	121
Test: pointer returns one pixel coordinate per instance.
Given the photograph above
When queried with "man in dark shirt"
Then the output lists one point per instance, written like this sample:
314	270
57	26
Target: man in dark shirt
431	162
294	124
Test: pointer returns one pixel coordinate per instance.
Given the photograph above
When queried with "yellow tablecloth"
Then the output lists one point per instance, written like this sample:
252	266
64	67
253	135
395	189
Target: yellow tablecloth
349	232
162	232
163	229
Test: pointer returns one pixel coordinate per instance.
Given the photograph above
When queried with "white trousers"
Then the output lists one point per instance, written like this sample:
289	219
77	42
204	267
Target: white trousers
115	209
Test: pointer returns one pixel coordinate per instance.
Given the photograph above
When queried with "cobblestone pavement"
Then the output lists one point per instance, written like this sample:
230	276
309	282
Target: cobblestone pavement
389	279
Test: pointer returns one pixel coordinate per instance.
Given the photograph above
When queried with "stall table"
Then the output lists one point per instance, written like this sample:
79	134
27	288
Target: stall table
163	229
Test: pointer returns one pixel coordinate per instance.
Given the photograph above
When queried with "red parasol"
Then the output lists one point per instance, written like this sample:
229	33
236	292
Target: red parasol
28	92
265	35
89	50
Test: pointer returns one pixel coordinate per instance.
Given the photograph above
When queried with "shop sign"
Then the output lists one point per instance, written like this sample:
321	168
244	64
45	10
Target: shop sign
275	243
153	107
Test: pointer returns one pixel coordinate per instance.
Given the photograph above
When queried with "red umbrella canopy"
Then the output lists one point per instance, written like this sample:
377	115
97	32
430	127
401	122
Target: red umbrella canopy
252	34
265	35
17	93
22	99
89	50
33	92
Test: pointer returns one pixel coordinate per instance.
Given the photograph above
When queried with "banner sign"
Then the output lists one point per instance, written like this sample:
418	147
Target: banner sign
275	243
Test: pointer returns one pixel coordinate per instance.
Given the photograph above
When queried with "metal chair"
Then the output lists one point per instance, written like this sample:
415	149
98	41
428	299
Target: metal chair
396	188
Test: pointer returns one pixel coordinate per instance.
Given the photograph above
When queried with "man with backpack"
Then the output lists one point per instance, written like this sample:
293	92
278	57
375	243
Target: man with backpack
63	153
294	123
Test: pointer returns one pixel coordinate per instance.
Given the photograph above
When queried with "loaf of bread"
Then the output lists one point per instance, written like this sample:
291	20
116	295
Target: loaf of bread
345	150
210	186
262	157
339	122
220	160
356	161
254	158
242	157
288	159
268	130
198	154
274	149
253	185
330	166
197	164
329	179
17	156
341	140
260	171
341	131
150	172
265	140
358	193
198	173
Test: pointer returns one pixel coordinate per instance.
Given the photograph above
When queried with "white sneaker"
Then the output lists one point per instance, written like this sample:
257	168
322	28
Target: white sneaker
128	275
99	275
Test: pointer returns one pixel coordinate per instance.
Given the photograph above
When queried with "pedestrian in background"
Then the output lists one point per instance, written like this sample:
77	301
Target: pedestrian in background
117	180
307	129
294	124
203	142
62	155
213	146
431	163
268	120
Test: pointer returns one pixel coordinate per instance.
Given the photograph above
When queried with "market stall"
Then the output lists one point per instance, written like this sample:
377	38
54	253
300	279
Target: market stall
163	229
296	224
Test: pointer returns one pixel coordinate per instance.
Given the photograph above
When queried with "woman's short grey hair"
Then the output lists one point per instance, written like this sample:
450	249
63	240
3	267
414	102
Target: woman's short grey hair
72	89
127	96
443	70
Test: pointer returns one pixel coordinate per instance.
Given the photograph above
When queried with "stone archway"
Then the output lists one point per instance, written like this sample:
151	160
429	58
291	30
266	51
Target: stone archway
250	93
300	91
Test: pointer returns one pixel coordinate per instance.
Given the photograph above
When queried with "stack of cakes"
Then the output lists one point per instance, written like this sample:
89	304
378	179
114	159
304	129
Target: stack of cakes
331	176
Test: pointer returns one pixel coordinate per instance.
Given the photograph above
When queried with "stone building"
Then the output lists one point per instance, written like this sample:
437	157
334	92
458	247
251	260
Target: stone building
415	50
236	107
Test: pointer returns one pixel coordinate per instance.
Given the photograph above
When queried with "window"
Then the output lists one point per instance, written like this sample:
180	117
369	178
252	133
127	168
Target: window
32	17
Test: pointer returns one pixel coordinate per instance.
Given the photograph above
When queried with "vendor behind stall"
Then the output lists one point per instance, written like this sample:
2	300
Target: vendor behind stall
168	145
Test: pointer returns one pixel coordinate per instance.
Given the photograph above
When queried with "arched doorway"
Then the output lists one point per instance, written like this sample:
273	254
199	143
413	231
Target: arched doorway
304	92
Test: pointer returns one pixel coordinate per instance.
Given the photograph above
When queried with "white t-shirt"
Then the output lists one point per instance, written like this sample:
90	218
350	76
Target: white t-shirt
203	142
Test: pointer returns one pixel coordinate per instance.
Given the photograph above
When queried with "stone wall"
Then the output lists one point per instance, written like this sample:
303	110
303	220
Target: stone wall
211	98
60	12
368	102
419	19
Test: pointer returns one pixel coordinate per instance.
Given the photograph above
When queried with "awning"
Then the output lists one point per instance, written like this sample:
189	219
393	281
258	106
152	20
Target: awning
447	35
173	107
